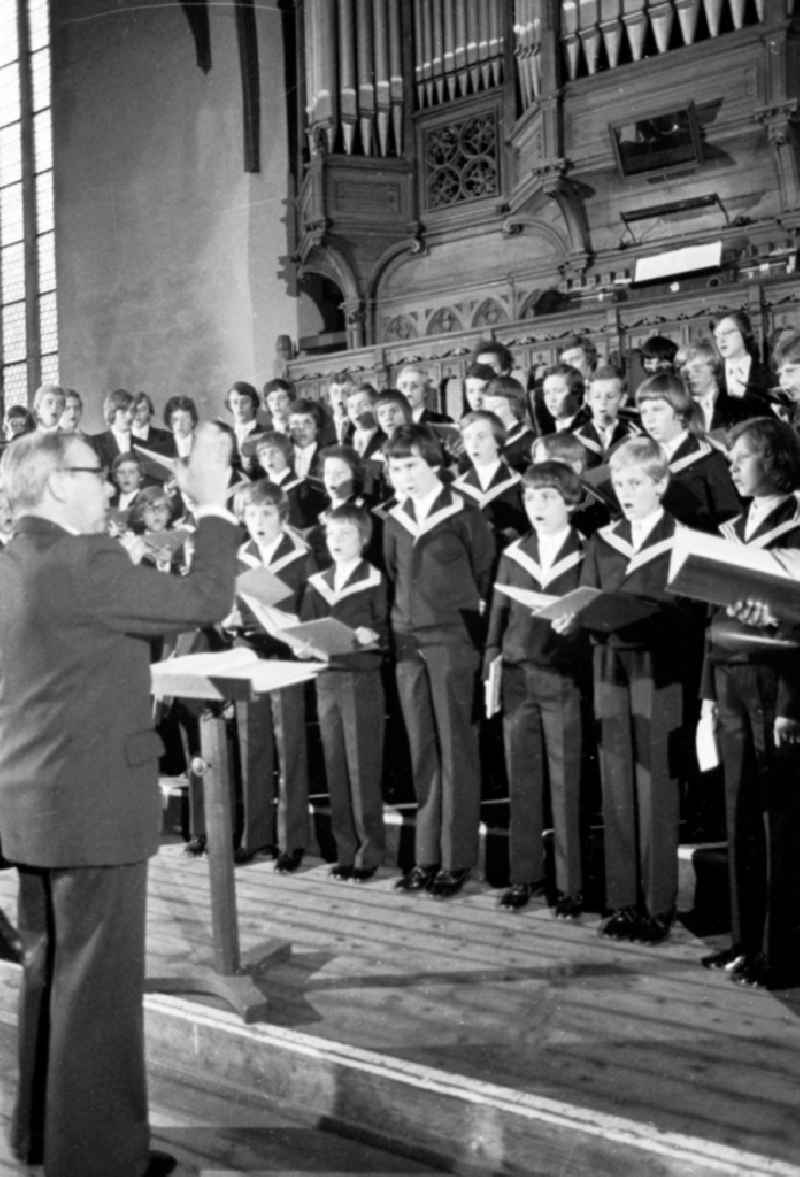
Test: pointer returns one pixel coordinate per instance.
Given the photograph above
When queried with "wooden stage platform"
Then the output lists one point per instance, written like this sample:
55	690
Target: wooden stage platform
472	1038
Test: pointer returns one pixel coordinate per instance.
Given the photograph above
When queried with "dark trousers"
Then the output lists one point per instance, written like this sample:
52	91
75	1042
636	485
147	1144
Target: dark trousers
352	715
82	1097
277	720
437	687
542	732
640	720
762	812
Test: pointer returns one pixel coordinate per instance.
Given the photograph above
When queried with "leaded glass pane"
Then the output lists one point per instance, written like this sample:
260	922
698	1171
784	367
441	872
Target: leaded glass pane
44	203
15	384
10	155
39	24
11	223
42	142
46	253
40	70
48	322
14	342
8	30
12	273
9	94
50	369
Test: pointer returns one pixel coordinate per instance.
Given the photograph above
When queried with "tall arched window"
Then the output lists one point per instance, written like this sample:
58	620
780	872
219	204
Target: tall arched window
28	318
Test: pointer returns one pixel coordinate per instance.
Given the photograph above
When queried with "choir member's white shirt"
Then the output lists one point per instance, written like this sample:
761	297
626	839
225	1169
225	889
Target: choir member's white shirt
303	457
550	546
760	507
670	448
125	500
423	507
343	572
268	551
183	444
641	528
486	473
243	431
123	440
737	373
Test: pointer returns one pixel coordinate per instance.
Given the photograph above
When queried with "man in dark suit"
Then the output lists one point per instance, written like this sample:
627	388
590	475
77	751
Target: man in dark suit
414	384
145	433
79	801
118	437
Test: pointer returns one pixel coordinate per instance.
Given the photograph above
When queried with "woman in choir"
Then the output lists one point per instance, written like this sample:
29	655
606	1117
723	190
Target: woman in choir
740	373
700	366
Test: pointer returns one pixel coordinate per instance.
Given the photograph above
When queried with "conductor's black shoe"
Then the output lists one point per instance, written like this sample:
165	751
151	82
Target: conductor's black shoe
728	959
419	878
622	924
288	861
160	1164
516	896
449	882
196	846
10	940
569	907
341	871
362	874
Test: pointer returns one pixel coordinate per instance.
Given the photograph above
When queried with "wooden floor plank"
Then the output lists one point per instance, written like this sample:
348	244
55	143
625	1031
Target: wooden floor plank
541	1006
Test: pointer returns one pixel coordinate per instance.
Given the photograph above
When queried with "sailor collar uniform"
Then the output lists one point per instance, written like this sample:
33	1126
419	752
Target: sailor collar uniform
503	480
287	552
525	553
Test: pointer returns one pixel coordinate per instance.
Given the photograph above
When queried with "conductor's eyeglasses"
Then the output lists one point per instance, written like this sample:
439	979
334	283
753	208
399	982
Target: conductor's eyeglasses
100	471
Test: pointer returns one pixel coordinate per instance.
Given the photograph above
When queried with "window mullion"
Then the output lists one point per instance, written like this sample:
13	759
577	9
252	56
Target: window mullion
32	325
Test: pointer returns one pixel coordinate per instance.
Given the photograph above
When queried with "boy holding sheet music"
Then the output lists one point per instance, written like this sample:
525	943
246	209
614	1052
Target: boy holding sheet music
545	682
638	674
278	719
751	695
350	698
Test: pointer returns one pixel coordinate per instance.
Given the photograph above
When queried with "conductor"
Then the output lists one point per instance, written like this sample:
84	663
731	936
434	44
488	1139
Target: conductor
79	800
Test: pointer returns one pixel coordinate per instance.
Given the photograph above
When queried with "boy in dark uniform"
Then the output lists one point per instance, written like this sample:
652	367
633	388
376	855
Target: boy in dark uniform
638	690
279	718
350	699
438	556
489	482
545	679
700	492
751	694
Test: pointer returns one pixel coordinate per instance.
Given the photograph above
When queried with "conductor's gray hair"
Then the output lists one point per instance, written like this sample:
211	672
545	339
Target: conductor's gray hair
26	465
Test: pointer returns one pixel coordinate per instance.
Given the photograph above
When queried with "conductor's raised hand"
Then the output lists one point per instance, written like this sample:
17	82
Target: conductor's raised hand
205	478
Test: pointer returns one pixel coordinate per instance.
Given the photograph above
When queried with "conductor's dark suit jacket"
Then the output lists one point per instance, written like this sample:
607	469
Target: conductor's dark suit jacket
78	753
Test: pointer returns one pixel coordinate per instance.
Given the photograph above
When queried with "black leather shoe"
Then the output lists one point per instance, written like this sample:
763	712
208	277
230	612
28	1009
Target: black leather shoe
241	856
516	896
10	941
362	874
448	883
728	959
622	924
287	862
197	846
341	872
419	878
569	907
653	928
160	1164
